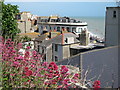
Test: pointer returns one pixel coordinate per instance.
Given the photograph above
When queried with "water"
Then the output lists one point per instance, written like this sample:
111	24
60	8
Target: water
96	25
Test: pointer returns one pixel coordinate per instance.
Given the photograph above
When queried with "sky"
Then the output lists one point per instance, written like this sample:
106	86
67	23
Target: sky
64	8
61	0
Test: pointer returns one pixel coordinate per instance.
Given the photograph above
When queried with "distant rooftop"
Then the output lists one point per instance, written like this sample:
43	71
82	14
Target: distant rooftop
58	20
31	35
58	39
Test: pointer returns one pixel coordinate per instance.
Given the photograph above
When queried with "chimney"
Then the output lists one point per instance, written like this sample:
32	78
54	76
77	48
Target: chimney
84	38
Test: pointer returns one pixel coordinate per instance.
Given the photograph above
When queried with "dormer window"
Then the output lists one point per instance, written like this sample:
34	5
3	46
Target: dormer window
114	14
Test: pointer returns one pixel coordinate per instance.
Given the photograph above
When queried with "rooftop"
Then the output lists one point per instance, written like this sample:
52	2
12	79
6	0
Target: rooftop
31	35
59	39
59	20
89	46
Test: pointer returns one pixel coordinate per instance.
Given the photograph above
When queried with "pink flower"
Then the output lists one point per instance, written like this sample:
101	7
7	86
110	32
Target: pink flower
47	83
19	45
28	47
13	51
32	66
19	57
27	54
12	74
28	73
26	68
29	80
76	75
65	81
53	66
50	75
34	53
96	85
16	64
59	86
38	75
59	78
64	69
45	64
51	71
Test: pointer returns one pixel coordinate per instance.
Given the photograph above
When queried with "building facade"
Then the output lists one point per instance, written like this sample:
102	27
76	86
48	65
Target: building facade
56	48
48	23
26	22
112	27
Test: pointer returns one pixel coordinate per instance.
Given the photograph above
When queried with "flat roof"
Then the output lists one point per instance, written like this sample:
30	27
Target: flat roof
31	34
113	7
63	24
77	46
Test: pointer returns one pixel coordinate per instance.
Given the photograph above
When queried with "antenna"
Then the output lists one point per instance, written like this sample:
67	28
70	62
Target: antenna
118	3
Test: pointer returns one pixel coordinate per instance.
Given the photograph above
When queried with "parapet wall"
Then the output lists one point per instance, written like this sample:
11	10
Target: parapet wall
102	64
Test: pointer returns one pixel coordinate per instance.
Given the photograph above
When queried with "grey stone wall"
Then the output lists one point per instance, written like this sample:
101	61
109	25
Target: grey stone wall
74	61
21	26
103	64
66	51
49	53
24	26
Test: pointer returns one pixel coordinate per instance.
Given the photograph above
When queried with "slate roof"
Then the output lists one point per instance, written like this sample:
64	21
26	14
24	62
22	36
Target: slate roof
41	38
58	39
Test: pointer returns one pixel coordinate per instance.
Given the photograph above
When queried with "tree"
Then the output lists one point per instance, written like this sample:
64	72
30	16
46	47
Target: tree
9	22
0	17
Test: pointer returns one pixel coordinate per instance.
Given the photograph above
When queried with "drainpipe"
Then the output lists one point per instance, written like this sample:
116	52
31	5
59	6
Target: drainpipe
62	38
25	26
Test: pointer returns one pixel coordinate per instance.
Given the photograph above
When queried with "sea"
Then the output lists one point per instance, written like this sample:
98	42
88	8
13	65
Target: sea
96	25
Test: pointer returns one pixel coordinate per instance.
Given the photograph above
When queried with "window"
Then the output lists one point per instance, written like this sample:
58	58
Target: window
38	48
114	14
53	20
63	20
46	20
74	29
68	29
56	47
58	28
46	27
54	28
56	58
66	40
18	16
50	28
58	20
42	20
63	28
41	27
79	30
42	49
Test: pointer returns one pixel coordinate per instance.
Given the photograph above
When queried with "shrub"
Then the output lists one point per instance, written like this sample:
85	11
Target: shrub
25	70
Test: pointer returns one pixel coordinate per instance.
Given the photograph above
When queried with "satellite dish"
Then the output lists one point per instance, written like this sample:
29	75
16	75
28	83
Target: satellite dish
118	3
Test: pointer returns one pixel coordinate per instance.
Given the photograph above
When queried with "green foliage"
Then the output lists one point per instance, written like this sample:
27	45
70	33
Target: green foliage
26	38
9	22
0	17
19	39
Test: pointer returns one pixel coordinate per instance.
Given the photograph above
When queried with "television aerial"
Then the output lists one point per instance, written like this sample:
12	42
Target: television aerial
118	3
